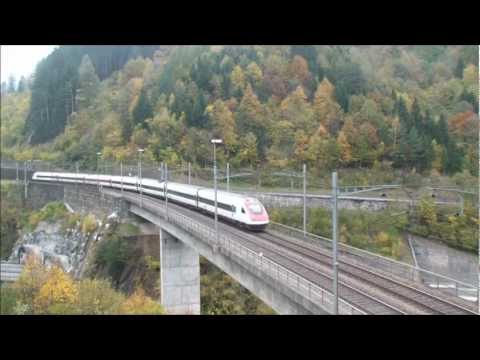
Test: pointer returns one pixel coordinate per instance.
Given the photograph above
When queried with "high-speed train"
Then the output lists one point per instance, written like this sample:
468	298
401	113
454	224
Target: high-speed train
241	210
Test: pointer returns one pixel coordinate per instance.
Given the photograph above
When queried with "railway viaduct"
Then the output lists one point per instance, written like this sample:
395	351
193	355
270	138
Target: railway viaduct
289	273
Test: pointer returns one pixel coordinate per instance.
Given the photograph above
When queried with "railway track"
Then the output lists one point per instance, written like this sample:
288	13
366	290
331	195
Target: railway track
319	276
407	297
365	289
296	263
363	301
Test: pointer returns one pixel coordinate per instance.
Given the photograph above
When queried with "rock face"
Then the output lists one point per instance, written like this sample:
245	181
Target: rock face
51	245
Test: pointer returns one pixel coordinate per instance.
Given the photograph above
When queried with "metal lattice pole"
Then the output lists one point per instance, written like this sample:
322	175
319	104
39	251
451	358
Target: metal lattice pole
228	177
304	200
101	187
121	177
76	183
215	184
160	173
98	171
334	241
140	176
161	266
166	190
25	178
461	204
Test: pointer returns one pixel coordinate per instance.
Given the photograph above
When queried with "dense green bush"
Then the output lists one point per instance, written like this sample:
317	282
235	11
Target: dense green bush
113	254
97	296
72	220
222	295
89	224
13	214
127	229
379	232
51	212
451	227
8	300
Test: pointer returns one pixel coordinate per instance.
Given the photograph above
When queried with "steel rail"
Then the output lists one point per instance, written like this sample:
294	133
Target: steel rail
389	265
361	269
254	240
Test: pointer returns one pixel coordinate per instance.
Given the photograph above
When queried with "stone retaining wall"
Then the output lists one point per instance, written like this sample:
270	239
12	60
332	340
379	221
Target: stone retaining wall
88	198
279	201
39	194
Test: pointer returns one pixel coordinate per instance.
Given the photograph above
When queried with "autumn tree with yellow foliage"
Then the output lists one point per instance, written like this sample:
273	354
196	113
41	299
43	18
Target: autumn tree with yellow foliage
224	125
252	118
345	149
49	290
296	109
427	212
58	291
254	74
97	297
238	79
322	152
140	304
30	281
327	110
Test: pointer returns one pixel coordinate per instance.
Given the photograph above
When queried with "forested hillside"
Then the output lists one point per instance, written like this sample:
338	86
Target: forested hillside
407	107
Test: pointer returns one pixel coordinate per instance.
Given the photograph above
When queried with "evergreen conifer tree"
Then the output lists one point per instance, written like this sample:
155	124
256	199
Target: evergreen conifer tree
88	82
22	85
459	69
11	84
441	135
143	110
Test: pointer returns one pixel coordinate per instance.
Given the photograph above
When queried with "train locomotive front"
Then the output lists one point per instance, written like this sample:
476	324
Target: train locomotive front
256	217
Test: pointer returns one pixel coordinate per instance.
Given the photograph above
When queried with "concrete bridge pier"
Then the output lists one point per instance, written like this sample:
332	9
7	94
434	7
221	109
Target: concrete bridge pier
179	276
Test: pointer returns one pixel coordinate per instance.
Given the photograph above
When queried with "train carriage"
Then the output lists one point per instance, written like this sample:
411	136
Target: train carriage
241	210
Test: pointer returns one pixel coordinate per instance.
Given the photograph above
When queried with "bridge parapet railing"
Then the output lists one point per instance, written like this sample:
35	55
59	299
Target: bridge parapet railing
8	164
390	266
279	273
229	247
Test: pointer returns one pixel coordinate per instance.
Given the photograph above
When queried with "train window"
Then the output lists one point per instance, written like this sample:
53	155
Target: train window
243	210
254	206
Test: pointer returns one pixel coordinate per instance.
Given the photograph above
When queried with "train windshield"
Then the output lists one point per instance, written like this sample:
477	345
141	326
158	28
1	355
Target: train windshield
254	206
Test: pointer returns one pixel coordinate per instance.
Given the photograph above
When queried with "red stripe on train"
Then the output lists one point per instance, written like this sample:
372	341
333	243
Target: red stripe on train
259	217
